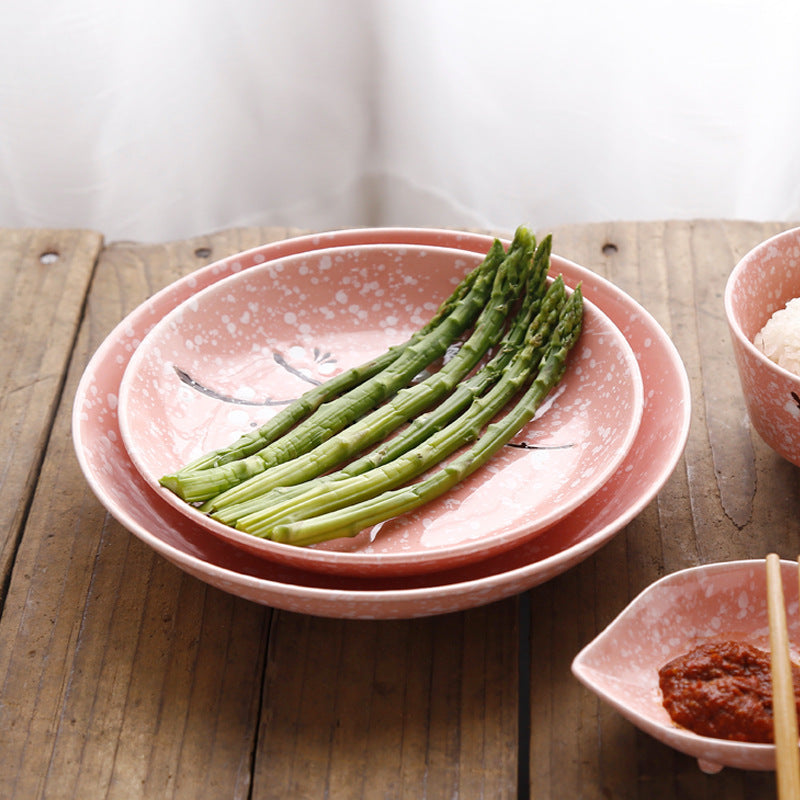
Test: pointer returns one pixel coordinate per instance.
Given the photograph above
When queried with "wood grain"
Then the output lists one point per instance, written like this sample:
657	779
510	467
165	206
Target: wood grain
44	277
411	708
729	497
121	676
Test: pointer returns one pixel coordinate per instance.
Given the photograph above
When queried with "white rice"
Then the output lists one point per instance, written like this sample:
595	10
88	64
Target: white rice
779	339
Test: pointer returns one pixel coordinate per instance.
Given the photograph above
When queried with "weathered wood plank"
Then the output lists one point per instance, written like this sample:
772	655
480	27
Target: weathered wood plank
416	708
119	675
44	277
730	497
122	677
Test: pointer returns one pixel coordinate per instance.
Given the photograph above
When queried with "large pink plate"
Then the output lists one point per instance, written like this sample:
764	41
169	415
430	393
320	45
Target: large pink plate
127	496
350	304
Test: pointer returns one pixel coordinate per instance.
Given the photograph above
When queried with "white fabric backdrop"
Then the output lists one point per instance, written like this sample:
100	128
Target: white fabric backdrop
160	119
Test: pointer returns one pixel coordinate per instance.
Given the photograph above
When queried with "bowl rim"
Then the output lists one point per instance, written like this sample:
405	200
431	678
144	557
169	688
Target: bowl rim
675	736
733	321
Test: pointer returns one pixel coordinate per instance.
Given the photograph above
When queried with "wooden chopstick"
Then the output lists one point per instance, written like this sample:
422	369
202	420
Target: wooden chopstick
787	752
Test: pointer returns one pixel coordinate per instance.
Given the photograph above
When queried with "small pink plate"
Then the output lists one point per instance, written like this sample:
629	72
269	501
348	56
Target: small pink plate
714	602
225	360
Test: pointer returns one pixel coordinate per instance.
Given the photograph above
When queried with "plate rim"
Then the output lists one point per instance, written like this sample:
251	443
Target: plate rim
358	562
713	751
391	603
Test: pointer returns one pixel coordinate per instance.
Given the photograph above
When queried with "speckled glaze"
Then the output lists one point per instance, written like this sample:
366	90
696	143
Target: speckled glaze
711	602
760	284
131	501
351	304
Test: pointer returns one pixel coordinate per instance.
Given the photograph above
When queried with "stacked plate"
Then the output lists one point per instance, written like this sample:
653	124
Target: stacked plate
218	352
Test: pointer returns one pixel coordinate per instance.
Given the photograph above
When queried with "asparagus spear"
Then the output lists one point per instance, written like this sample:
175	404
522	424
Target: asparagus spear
353	518
406	404
335	414
423	426
468	427
427	424
307	403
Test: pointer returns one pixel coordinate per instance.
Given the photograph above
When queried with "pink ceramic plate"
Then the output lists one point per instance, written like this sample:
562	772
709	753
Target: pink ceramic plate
122	490
262	333
713	602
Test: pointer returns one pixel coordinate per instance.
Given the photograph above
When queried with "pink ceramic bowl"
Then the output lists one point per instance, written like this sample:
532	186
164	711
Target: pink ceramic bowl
760	284
713	602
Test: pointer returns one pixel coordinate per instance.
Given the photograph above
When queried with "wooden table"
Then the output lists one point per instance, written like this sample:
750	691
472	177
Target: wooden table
123	677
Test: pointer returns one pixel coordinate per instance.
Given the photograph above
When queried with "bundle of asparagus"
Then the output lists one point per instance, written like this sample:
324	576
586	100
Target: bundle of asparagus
309	475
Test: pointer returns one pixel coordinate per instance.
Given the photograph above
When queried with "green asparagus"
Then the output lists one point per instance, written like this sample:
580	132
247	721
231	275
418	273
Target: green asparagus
405	405
423	426
276	482
337	412
355	517
331	496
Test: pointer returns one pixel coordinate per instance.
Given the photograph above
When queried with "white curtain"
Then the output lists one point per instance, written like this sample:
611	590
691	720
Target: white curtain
159	119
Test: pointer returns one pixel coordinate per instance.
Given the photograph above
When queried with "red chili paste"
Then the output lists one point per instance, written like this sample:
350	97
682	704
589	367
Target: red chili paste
722	689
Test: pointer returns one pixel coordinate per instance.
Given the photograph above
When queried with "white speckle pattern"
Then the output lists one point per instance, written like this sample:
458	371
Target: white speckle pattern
760	284
580	437
711	602
126	495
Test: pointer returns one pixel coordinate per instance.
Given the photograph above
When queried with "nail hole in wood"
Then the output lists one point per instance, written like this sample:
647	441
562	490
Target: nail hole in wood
609	248
49	257
203	252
